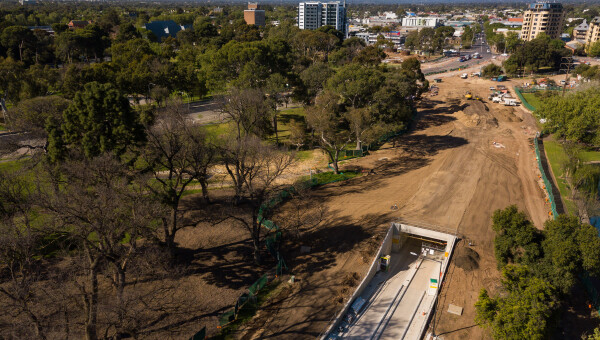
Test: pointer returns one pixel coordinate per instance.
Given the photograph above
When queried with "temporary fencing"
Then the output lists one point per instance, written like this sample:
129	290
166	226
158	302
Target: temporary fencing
201	335
523	101
547	182
272	242
592	290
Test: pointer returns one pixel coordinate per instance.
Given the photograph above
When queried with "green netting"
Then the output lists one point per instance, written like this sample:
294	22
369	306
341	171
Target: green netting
524	102
281	266
258	285
592	290
227	317
547	182
201	335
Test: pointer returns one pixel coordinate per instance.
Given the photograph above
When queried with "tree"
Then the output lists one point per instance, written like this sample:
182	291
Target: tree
535	54
257	167
11	74
127	32
313	79
523	313
19	42
177	153
106	215
371	55
594	49
491	70
98	120
21	259
573	117
517	240
251	115
356	84
324	119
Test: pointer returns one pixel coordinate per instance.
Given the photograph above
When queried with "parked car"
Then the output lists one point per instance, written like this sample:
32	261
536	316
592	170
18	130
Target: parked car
464	76
492	88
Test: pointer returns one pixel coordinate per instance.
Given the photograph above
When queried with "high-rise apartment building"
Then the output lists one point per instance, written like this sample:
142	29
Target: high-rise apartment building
254	15
312	15
546	17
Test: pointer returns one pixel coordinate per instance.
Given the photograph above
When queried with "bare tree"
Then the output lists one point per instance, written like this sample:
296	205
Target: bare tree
250	113
20	268
106	214
257	166
329	132
177	153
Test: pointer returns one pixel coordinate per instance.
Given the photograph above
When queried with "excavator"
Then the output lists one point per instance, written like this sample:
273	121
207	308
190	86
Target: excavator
469	96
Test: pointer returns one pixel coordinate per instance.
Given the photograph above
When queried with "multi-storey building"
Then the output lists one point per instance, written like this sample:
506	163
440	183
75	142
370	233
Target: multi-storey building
312	15
580	31
411	21
254	15
546	17
593	32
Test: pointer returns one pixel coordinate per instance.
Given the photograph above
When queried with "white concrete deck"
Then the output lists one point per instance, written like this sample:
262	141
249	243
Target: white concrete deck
397	300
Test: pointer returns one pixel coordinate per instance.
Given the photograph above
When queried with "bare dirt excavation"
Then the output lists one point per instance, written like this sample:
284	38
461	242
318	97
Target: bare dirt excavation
461	161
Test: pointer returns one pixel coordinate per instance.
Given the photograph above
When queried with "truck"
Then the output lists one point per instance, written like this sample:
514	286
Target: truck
510	102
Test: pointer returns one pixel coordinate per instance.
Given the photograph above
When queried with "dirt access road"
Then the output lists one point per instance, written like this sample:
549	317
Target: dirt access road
461	161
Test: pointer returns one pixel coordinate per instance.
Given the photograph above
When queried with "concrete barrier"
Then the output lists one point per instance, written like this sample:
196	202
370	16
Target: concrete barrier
384	249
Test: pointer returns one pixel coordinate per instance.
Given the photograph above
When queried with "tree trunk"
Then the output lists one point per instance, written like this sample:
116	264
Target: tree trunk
120	287
204	185
91	305
275	128
336	156
256	240
169	237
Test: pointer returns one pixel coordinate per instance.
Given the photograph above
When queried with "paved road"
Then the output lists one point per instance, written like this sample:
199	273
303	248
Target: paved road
479	45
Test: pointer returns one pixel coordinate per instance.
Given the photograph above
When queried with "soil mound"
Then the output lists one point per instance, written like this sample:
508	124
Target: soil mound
466	258
476	107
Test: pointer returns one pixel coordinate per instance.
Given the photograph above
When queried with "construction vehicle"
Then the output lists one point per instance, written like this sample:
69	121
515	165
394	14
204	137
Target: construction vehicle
468	95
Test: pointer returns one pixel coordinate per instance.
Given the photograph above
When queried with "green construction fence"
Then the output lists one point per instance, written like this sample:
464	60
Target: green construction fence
523	101
547	182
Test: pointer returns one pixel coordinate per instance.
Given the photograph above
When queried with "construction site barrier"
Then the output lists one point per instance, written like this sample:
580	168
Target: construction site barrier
547	182
523	101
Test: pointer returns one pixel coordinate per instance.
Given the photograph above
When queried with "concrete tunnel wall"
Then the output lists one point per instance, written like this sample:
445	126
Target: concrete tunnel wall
392	242
384	249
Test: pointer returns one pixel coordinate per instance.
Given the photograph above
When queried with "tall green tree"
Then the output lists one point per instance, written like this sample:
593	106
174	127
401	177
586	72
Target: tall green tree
99	120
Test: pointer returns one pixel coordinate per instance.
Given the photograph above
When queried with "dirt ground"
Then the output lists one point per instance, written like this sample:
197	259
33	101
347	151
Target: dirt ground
463	160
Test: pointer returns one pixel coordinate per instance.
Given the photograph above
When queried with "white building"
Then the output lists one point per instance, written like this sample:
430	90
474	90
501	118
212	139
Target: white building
312	15
421	21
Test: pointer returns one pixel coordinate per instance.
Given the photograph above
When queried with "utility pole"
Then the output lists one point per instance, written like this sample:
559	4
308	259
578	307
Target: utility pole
566	65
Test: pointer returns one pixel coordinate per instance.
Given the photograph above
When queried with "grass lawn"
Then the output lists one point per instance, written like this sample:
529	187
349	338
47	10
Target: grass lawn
217	129
590	156
557	157
284	119
2	127
532	100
